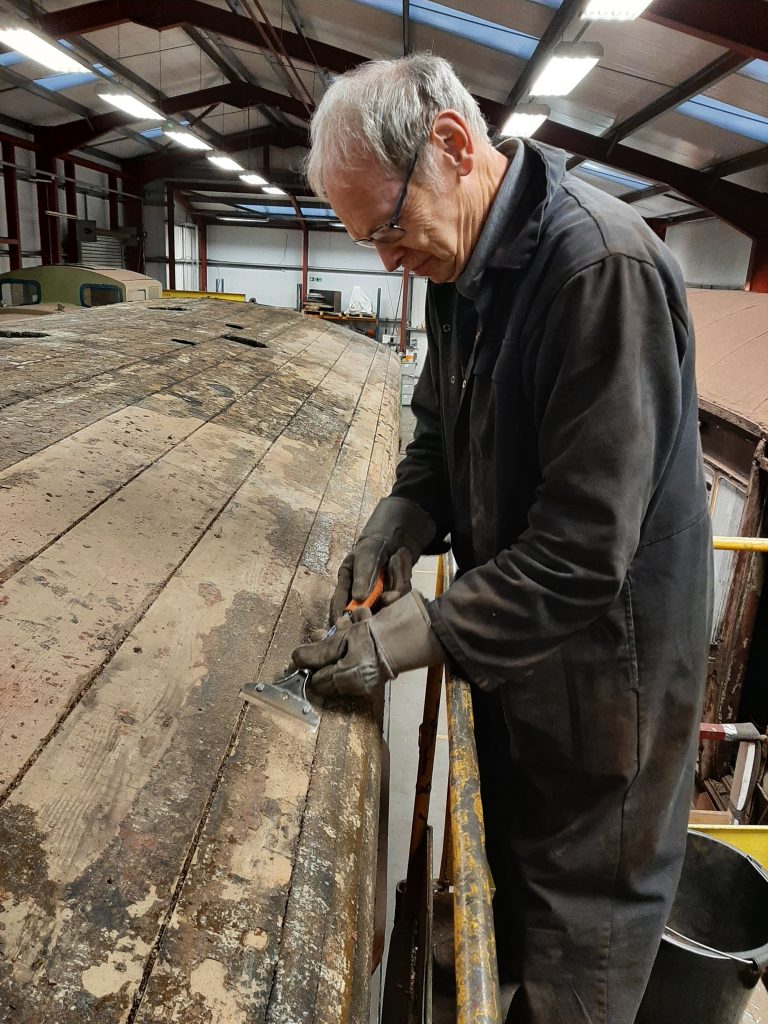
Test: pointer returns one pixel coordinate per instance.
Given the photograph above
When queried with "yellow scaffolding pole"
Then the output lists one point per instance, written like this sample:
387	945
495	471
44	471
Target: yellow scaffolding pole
740	543
477	974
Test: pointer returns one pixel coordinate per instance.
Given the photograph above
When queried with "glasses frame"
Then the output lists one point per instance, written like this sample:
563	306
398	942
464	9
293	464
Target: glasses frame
370	241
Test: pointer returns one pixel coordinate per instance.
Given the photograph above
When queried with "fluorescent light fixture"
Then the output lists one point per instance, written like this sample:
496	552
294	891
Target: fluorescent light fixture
40	50
614	10
186	139
273	190
226	163
246	220
253	179
569	63
526	119
130	105
337	224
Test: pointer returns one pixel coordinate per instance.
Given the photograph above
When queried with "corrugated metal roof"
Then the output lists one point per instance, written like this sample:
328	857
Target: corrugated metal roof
732	351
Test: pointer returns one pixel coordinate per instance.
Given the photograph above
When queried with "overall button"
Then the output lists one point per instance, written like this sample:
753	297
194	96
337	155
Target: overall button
453	379
463	383
446	328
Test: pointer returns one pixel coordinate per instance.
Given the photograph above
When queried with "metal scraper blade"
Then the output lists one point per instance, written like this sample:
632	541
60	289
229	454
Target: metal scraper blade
288	694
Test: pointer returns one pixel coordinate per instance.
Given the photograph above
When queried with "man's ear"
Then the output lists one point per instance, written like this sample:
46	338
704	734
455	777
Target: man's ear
454	142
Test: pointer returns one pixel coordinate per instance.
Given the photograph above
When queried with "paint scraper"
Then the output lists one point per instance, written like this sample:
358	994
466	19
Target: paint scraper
289	694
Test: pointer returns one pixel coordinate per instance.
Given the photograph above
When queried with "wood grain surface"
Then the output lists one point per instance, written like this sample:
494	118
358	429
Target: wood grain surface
173	508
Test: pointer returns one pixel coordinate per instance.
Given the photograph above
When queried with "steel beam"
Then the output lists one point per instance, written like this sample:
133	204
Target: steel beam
692	86
65	137
741	207
98	14
10	186
740	25
163	165
563	17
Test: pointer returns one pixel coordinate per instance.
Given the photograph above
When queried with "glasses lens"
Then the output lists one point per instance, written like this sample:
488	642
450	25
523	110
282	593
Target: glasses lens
388	236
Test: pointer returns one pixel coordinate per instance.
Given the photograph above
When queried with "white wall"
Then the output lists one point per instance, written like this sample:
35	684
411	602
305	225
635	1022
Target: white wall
265	263
711	253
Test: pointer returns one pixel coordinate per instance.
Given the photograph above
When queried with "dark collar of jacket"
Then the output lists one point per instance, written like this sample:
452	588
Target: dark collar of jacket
543	170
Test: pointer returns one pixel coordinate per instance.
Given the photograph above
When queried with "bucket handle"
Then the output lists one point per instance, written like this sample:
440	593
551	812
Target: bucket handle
754	967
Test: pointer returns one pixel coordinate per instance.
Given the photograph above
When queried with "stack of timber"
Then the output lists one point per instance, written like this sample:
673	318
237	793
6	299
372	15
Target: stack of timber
179	481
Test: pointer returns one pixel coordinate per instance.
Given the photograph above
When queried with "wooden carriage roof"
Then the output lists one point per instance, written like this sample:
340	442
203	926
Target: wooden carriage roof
732	353
178	483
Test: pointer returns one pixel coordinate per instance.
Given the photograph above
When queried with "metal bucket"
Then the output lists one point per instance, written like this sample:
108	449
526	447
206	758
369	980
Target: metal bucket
715	946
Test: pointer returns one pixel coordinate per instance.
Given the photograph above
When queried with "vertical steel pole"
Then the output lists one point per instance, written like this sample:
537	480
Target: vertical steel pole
10	186
70	195
171	226
404	311
202	255
114	211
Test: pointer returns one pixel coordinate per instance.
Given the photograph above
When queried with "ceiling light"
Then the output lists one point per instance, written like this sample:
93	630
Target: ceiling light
614	10
526	119
272	190
337	224
569	63
246	220
187	139
40	50
226	163
253	179
130	105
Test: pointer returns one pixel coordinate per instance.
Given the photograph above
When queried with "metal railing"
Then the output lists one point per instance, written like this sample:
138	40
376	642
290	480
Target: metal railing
477	975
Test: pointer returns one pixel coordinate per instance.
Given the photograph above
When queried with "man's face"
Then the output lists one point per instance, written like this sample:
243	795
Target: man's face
364	199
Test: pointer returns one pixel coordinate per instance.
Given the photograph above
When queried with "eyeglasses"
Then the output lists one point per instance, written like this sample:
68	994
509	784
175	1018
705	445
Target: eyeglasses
391	231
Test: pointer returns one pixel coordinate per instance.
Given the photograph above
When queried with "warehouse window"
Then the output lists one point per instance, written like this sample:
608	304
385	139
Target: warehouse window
100	295
19	293
726	508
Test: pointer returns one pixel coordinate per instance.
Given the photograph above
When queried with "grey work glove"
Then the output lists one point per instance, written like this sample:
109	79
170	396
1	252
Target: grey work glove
392	539
368	650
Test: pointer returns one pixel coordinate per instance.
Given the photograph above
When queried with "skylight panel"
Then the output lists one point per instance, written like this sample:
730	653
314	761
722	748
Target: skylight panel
610	174
757	69
462	25
723	115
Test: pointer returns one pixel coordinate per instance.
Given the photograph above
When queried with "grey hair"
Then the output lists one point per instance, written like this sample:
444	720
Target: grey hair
383	110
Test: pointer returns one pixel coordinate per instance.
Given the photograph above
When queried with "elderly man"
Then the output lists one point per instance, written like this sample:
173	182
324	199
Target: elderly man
557	443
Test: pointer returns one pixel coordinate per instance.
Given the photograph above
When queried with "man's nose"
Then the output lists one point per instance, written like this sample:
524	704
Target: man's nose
390	255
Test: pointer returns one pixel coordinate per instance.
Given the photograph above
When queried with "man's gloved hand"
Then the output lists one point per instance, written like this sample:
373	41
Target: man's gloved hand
367	650
392	539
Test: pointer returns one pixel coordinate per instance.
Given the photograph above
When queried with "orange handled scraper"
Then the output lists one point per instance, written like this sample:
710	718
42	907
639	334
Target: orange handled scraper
289	694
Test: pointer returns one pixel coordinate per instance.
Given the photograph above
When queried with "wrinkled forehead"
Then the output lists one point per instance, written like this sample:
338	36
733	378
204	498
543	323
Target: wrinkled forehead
363	194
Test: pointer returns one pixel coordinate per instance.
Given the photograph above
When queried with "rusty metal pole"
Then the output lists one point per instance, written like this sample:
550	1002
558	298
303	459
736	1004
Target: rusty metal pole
114	210
202	255
427	740
477	974
404	312
10	186
70	197
171	227
757	276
